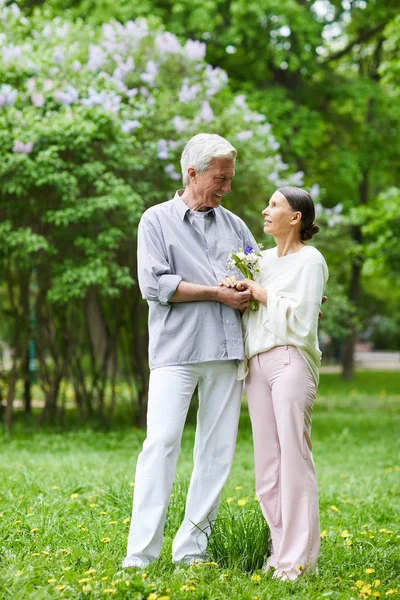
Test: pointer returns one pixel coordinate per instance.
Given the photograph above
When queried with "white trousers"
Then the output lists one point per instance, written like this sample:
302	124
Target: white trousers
170	393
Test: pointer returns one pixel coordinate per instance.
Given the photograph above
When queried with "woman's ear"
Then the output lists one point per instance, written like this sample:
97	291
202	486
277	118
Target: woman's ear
296	218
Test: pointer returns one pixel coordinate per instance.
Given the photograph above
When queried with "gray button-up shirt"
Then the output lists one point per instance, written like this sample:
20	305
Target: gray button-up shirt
171	249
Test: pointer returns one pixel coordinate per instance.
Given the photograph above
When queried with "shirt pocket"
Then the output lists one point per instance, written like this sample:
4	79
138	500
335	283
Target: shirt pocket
223	248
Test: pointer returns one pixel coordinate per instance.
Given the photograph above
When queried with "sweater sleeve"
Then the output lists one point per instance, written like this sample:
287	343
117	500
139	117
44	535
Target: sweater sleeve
293	316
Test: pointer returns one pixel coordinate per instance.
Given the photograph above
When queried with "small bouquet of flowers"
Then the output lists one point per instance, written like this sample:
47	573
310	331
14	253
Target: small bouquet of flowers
247	261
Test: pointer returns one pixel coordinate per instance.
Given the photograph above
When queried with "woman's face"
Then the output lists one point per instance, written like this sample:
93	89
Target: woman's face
279	218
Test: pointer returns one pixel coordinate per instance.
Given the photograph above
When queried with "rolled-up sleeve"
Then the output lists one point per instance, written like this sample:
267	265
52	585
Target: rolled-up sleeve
156	281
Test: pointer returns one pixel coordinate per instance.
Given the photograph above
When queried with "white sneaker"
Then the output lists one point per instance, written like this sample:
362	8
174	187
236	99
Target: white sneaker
134	562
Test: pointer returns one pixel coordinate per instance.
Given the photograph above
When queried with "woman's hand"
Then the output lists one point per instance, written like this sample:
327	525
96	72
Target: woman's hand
231	282
256	289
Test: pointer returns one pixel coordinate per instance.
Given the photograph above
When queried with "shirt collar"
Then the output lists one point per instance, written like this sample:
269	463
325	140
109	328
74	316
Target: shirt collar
183	208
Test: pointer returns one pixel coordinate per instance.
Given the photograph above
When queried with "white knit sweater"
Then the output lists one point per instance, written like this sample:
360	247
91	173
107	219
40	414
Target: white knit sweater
295	285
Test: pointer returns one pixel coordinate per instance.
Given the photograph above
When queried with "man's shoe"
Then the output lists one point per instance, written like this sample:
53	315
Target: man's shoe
134	562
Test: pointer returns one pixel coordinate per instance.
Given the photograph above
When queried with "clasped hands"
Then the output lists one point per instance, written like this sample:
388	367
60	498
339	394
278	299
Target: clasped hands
256	289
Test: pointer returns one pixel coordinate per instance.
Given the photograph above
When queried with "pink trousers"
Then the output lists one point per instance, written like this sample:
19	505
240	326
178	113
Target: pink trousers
280	392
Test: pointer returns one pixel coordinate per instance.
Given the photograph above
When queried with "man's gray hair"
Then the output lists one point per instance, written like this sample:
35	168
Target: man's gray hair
200	151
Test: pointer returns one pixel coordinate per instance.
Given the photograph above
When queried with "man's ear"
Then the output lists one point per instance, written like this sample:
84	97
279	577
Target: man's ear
192	173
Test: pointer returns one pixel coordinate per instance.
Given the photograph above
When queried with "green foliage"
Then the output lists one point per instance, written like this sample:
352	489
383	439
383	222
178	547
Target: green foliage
239	539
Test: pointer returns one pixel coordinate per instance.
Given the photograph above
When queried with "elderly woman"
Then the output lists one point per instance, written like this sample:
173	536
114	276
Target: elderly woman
281	346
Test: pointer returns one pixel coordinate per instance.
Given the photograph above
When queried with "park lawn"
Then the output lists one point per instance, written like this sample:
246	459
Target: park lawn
66	502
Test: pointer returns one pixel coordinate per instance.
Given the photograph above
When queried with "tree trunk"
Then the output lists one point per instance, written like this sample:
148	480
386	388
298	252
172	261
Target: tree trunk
354	291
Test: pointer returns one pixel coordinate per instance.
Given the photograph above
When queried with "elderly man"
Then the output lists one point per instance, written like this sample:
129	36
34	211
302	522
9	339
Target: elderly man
195	338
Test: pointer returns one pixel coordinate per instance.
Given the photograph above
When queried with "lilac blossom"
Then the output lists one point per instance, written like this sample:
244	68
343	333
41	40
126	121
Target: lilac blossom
123	68
206	112
188	93
151	72
243	136
76	65
194	50
97	57
216	79
179	124
66	97
11	52
58	55
167	43
171	171
108	100
38	99
315	191
31	85
132	93
22	148
130	125
240	101
162	149
8	95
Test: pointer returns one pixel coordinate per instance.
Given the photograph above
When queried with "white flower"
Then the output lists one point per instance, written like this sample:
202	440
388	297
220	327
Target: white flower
240	255
195	50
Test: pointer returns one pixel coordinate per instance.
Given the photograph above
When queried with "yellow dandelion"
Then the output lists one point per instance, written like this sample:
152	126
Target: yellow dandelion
45	553
52	580
84	580
389	531
127	582
376	595
382	531
376	583
36	554
74	496
324	534
230	499
363	532
83	528
163	598
110	591
349	543
90	572
93	505
106	540
144	575
61	587
55	487
102	512
299	567
104	578
369	571
87	588
255	577
391	592
371	537
112	522
238	487
242	501
152	596
334	508
366	589
126	520
359	583
344	533
17	523
35	529
64	551
132	484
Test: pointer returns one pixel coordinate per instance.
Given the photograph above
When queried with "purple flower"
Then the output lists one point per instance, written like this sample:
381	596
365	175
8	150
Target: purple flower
248	249
22	148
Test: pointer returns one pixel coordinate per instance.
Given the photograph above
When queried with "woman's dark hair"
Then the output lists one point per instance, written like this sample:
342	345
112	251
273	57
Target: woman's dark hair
300	200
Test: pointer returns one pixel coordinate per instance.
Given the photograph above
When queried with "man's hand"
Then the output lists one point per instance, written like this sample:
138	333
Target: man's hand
324	299
234	298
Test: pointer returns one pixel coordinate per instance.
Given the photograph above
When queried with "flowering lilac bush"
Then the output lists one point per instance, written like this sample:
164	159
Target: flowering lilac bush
92	125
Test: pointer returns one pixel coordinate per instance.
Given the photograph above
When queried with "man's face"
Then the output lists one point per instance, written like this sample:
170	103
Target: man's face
214	183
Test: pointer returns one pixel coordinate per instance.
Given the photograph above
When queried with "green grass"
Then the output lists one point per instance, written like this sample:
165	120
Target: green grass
66	502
